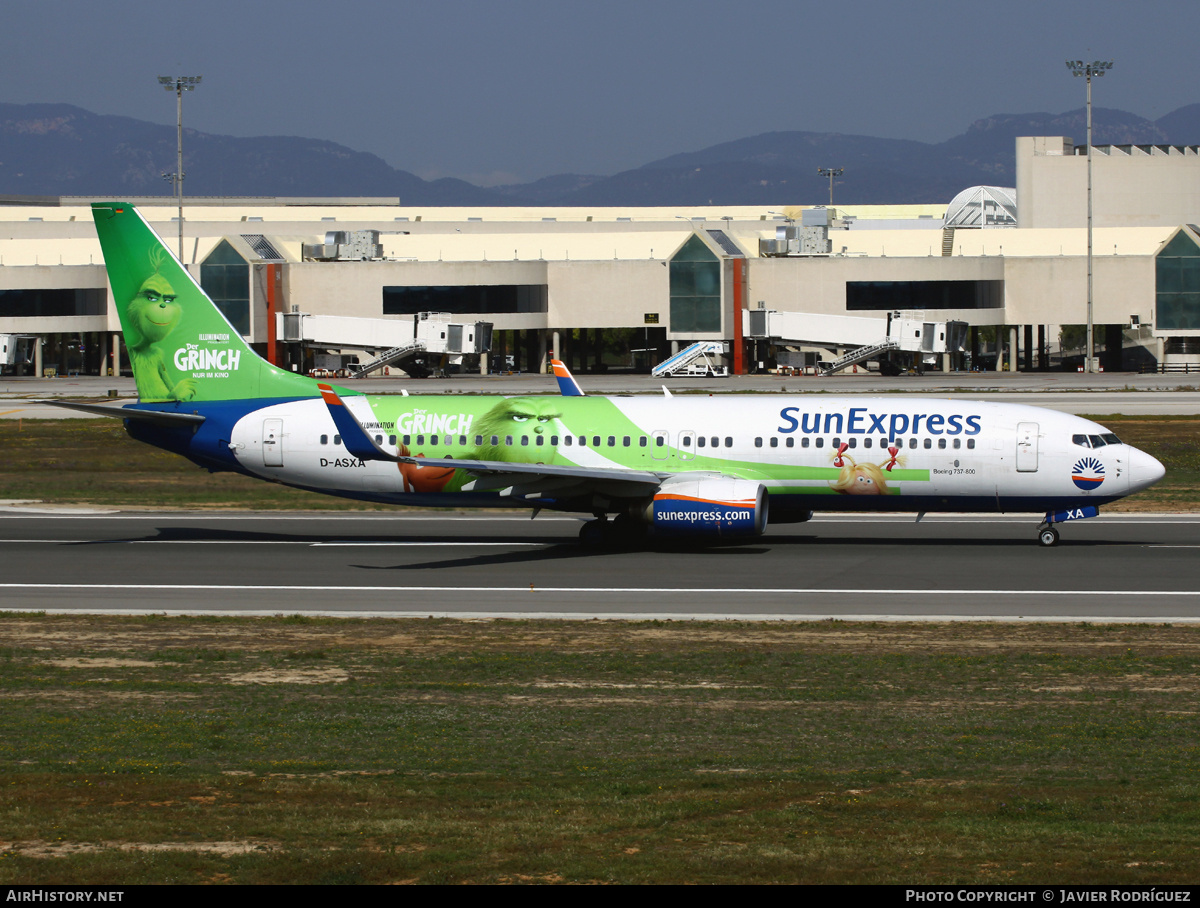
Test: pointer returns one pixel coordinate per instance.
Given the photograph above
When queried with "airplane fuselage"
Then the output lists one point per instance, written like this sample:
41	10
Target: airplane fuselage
811	452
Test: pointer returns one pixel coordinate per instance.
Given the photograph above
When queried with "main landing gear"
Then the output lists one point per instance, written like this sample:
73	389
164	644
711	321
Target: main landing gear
602	532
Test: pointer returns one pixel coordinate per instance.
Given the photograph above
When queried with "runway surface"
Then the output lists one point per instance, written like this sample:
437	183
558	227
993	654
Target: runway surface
1126	568
1125	393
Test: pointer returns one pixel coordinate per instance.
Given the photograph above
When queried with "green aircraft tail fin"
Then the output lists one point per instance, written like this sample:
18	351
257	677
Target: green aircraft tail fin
180	345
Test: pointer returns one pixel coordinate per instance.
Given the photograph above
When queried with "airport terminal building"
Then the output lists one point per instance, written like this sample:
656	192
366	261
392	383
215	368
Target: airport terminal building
302	278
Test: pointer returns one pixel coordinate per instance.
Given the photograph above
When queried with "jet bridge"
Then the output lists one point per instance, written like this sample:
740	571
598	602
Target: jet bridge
867	338
401	342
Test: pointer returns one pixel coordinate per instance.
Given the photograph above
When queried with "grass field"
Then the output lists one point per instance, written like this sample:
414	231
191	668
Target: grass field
95	462
187	750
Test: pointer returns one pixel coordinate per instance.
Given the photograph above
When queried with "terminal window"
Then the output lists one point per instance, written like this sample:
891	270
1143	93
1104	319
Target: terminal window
886	296
492	299
695	288
1177	285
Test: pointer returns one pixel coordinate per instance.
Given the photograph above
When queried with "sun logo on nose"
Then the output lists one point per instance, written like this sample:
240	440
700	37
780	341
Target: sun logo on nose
1087	473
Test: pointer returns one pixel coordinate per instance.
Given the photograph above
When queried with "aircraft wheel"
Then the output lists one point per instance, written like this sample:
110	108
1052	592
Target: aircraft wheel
1047	537
594	533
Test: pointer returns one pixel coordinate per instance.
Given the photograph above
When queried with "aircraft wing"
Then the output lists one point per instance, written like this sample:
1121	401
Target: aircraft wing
160	417
524	479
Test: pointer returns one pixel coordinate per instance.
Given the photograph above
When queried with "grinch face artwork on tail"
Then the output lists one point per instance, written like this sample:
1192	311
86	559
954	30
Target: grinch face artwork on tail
153	314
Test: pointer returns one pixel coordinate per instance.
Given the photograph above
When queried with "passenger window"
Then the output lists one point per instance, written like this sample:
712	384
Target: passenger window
324	439
539	440
392	440
686	441
836	443
407	440
942	444
420	441
568	440
970	444
700	442
642	442
462	440
957	443
928	443
595	441
803	442
479	440
525	441
774	441
433	440
583	441
820	442
791	442
625	441
612	441
660	441
853	442
758	442
337	439
378	439
866	443
912	443
728	442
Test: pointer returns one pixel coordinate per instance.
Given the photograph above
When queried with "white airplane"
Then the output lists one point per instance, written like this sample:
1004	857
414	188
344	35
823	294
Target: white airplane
661	466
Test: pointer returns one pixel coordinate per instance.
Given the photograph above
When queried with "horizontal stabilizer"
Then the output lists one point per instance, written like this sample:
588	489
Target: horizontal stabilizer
159	417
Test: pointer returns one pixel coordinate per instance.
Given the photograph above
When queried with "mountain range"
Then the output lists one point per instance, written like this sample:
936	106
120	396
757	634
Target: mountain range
58	149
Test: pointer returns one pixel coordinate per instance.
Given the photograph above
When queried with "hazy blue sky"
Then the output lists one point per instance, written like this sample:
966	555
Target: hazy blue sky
513	91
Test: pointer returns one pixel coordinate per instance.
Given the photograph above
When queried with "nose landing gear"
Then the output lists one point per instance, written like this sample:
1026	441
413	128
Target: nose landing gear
1047	535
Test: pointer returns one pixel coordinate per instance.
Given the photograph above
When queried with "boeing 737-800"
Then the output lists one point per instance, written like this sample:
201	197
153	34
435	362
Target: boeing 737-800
663	466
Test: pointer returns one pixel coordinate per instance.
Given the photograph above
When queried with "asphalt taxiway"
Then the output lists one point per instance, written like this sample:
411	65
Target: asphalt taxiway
963	567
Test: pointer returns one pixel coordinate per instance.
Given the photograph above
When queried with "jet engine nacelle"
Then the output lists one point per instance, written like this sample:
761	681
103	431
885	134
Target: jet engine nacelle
709	507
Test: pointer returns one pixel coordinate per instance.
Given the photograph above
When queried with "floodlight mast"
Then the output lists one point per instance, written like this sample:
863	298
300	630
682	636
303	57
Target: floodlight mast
179	84
1087	70
830	172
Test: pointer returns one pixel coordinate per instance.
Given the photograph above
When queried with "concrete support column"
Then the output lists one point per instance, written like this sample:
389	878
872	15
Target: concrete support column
1160	351
675	346
556	351
1014	350
37	356
102	342
116	355
945	362
999	348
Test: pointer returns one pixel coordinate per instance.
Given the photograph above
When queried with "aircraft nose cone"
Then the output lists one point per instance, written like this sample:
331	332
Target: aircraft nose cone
1144	470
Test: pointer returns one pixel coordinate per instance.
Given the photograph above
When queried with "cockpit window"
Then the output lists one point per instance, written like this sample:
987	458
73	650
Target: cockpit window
1081	440
1097	441
1111	439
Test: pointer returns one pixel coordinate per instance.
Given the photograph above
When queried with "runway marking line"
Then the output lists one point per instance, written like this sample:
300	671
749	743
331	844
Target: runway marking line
723	591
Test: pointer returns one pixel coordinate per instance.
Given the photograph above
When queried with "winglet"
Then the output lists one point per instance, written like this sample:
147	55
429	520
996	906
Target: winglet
357	440
566	381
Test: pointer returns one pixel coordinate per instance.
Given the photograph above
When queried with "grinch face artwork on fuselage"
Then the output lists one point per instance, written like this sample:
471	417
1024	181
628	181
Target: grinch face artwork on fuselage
514	430
151	316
